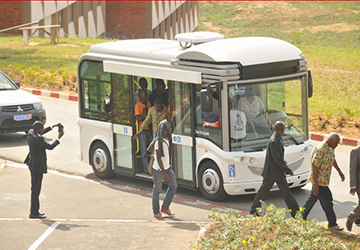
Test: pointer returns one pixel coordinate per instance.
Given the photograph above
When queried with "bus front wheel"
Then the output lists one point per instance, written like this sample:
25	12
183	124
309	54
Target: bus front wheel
211	183
101	160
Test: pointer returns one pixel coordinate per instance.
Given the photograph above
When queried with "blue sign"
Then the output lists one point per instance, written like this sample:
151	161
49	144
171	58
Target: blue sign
177	139
125	130
231	170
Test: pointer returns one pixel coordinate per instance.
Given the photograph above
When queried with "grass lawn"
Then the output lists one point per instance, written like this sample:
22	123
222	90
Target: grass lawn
328	33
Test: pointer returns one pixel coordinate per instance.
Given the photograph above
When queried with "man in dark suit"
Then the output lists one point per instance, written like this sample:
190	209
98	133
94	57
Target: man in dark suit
354	186
275	169
36	160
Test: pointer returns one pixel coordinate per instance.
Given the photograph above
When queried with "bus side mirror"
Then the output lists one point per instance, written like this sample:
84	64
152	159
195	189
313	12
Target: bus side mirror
17	84
310	85
206	100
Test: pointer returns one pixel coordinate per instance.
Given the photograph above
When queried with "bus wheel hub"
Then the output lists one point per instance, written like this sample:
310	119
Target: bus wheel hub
100	160
211	181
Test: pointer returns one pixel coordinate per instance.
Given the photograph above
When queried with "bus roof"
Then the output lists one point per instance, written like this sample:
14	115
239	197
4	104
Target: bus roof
245	50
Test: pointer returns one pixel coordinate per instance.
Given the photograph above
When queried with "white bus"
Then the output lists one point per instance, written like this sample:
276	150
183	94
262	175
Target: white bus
208	79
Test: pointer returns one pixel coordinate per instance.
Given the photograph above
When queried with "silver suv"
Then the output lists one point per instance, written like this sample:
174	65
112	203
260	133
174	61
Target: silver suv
18	109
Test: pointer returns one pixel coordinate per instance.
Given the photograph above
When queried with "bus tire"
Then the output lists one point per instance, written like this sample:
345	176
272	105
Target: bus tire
211	182
101	160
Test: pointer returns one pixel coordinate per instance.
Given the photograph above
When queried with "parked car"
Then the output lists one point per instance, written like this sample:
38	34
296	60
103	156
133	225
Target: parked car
18	108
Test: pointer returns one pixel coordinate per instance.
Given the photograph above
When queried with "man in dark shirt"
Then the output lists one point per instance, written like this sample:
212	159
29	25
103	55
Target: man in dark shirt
36	160
159	92
275	169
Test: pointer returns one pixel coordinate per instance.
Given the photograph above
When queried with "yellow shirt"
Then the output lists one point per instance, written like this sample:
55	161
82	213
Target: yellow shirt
155	118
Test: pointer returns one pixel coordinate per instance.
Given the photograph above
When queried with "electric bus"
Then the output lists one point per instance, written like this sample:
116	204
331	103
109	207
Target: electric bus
225	95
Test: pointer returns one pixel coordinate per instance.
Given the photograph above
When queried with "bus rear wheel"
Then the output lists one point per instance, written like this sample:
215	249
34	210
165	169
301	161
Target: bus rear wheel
211	183
101	160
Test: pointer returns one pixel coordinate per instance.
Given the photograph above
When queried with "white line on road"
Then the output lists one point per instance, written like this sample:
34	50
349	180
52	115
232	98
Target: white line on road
44	236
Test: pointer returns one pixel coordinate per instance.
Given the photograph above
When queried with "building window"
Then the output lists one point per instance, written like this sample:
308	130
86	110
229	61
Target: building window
80	8
89	5
70	9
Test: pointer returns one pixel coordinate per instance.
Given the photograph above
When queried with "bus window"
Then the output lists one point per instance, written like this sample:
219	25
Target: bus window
96	91
208	124
121	99
181	122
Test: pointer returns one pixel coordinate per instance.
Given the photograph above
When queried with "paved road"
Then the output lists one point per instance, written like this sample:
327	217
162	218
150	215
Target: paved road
65	158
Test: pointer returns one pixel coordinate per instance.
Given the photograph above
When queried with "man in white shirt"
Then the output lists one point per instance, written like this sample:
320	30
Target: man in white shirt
162	170
251	104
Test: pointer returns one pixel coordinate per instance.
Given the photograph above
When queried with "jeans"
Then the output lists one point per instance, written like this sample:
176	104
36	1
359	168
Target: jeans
144	140
326	202
285	193
170	192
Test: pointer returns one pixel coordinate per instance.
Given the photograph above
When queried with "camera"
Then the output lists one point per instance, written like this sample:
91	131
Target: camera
61	128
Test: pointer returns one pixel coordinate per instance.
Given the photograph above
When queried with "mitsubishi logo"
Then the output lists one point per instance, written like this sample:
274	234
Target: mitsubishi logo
19	109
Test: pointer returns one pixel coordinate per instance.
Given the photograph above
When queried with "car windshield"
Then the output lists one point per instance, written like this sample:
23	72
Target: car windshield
5	83
255	108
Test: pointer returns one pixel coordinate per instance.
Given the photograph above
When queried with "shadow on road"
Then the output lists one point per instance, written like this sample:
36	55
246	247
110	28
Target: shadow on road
13	140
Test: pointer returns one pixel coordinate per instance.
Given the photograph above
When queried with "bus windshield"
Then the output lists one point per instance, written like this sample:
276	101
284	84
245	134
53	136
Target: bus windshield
255	108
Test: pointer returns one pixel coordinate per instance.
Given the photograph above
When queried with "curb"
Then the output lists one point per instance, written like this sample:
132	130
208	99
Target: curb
52	94
313	136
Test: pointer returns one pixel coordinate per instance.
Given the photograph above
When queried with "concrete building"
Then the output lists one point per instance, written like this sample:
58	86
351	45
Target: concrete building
116	19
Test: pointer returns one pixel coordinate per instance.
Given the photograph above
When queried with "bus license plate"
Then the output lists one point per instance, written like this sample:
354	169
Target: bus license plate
22	117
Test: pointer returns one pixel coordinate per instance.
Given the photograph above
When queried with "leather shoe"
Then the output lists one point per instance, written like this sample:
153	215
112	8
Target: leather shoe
37	216
357	222
337	228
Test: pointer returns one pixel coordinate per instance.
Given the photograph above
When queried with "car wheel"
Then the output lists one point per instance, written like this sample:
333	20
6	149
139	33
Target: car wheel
101	160
211	182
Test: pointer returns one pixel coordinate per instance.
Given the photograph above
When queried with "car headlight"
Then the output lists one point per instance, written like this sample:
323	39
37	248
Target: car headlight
38	105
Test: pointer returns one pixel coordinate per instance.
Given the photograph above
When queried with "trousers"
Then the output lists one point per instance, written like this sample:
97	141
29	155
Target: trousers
326	202
170	192
285	193
36	181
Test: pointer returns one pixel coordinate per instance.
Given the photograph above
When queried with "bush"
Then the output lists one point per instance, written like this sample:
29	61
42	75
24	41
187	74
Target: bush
272	230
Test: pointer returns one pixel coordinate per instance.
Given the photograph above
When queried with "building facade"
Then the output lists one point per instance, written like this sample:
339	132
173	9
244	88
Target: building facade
115	19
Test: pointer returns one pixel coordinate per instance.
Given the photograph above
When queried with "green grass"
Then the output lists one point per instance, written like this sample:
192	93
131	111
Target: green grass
42	61
328	33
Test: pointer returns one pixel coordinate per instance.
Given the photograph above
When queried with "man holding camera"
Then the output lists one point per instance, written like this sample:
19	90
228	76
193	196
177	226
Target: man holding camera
36	160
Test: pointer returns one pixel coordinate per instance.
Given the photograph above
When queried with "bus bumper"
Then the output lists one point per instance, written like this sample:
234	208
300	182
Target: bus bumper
240	188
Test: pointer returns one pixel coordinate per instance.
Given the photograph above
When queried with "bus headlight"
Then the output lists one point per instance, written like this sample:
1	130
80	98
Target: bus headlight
242	159
251	160
256	170
306	150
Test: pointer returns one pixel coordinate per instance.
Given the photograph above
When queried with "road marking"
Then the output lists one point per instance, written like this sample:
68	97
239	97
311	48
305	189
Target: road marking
164	220
44	236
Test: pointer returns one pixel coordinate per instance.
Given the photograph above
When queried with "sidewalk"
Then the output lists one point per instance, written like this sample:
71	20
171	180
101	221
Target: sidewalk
97	214
313	136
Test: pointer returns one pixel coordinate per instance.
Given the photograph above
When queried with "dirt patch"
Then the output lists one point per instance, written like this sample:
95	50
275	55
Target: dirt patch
345	127
337	27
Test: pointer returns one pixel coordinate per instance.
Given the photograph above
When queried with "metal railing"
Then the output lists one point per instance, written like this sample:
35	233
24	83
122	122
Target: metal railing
19	26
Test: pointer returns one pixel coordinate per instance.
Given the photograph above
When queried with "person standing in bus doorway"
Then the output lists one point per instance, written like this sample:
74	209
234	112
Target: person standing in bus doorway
143	85
36	160
159	92
156	114
162	170
354	186
323	158
141	111
275	169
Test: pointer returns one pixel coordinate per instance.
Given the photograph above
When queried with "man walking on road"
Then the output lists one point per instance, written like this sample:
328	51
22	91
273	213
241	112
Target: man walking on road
275	168
354	186
36	160
323	158
162	170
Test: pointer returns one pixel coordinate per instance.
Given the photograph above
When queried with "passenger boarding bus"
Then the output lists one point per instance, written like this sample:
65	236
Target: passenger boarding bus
225	95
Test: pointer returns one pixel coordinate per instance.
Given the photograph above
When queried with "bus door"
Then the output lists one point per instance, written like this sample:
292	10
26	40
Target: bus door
122	122
183	148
